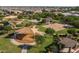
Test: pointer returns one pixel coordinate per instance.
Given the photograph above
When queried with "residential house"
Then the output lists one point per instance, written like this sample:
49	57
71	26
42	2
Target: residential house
48	20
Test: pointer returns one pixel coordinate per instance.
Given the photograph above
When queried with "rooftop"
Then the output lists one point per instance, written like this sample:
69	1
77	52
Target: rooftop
56	26
67	42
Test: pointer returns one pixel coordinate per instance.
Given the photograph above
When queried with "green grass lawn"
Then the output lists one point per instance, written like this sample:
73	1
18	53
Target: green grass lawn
62	32
41	28
41	47
7	46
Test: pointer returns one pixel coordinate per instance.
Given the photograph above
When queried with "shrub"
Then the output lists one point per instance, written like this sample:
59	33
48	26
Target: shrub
7	28
39	38
50	31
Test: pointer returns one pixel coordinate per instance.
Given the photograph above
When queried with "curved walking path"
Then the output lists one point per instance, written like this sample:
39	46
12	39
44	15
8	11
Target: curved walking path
18	43
5	35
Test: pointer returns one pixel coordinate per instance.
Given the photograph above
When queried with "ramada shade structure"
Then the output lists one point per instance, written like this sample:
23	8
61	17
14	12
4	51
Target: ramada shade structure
68	42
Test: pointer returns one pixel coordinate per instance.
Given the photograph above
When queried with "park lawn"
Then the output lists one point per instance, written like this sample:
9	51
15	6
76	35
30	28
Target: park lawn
77	29
41	47
41	28
7	47
62	32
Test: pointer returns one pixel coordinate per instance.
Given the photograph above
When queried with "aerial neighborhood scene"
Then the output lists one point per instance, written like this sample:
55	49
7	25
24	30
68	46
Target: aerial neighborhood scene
36	29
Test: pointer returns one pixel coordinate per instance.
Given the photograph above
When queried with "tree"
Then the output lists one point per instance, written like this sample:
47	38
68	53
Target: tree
20	16
50	31
7	28
52	48
75	23
36	16
71	31
39	39
72	20
1	15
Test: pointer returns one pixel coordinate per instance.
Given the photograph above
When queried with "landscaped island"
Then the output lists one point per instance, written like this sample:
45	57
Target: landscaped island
39	29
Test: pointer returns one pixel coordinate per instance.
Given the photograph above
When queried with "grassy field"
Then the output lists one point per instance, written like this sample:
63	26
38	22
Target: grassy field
7	46
62	32
41	28
41	47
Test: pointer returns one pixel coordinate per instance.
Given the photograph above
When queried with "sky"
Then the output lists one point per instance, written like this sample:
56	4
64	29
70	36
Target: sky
39	3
